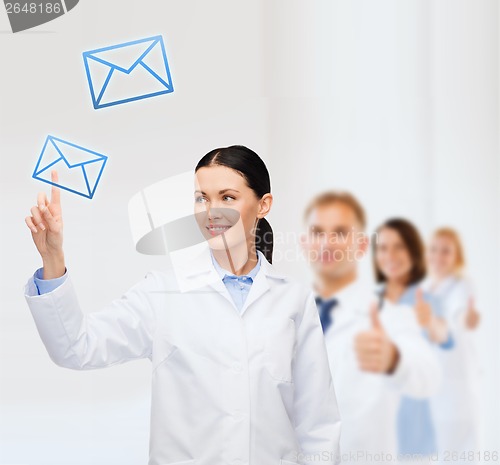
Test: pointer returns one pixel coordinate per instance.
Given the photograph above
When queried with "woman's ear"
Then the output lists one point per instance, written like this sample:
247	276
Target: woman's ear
265	204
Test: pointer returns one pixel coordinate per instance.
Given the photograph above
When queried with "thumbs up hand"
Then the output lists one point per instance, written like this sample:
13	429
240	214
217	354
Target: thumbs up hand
436	327
423	310
374	350
472	317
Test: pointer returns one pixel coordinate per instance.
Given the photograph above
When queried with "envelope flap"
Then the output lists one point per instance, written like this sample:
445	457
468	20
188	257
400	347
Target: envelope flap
71	179
49	156
123	57
92	172
75	155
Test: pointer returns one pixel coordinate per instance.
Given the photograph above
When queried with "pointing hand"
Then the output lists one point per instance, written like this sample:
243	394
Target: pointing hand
46	227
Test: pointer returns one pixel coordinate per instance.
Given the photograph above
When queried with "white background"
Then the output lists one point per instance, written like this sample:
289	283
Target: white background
395	101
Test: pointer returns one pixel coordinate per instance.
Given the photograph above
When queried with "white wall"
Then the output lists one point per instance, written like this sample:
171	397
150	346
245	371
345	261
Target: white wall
395	101
398	103
466	164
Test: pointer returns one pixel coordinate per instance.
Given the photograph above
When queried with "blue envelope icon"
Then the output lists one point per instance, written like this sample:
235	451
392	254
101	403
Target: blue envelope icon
127	72
78	169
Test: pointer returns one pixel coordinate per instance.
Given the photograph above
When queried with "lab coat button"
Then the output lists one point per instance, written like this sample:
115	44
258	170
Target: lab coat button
237	367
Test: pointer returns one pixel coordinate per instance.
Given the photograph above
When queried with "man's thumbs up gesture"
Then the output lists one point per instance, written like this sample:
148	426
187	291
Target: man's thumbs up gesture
375	351
472	317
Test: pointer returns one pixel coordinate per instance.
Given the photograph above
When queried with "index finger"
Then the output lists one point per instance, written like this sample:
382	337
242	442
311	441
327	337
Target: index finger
55	196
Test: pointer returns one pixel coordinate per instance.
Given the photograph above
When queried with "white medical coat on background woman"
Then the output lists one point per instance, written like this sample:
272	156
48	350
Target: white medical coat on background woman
455	407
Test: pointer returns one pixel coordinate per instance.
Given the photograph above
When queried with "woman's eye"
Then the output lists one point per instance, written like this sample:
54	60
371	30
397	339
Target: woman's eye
228	197
199	199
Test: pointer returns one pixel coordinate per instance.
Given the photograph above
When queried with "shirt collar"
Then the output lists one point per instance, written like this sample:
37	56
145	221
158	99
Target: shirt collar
346	296
407	297
223	272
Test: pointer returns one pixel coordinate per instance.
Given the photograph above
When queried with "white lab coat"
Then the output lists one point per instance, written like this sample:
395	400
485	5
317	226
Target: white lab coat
368	402
228	388
455	407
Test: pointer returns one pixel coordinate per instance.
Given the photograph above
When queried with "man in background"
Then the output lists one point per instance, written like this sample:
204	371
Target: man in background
376	352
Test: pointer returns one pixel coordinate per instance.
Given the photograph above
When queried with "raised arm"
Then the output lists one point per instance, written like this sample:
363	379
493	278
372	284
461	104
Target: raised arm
121	331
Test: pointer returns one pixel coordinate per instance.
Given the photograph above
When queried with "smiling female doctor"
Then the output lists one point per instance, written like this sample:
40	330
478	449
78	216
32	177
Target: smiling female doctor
239	366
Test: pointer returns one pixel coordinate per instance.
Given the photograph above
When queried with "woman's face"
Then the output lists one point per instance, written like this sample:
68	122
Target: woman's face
442	256
392	256
225	207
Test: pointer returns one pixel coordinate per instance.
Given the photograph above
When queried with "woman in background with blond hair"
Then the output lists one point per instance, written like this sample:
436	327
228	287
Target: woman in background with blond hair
455	407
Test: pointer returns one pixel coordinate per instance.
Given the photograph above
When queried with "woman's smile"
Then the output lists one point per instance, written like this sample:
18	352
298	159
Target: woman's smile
217	229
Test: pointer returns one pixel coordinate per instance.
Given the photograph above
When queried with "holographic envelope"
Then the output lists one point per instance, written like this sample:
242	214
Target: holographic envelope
127	72
79	169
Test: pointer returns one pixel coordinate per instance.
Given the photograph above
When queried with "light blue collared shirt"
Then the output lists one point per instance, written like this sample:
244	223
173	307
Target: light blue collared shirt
237	286
47	285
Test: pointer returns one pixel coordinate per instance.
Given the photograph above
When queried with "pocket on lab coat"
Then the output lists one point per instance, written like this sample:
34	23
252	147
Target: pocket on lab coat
287	462
280	350
162	351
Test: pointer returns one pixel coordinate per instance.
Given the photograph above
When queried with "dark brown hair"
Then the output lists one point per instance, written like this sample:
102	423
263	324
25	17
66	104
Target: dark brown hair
330	197
414	244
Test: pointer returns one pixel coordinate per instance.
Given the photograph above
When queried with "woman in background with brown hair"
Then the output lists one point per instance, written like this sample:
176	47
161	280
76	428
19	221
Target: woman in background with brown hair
455	407
399	263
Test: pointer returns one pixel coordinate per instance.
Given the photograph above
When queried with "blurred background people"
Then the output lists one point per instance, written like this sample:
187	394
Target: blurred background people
375	356
455	407
399	263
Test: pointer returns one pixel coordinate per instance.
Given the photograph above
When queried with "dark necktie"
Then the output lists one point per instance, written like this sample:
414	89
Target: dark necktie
325	307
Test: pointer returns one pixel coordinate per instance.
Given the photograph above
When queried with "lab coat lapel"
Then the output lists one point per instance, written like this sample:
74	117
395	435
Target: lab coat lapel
341	321
356	311
221	288
353	309
262	282
259	287
201	273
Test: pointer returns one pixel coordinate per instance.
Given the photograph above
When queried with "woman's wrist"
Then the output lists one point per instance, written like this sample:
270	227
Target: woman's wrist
54	266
